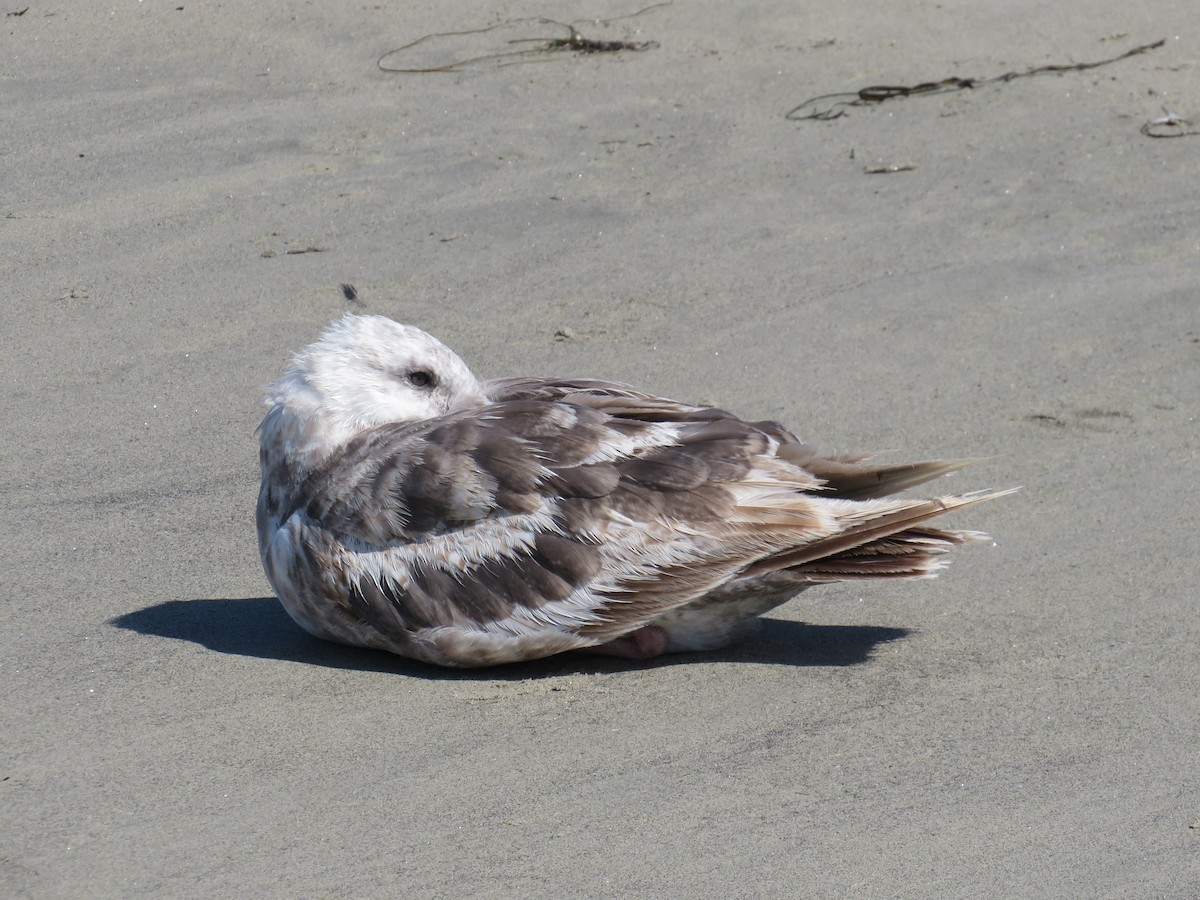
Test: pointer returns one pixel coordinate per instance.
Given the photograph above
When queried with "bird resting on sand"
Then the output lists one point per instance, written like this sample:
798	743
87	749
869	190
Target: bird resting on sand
408	506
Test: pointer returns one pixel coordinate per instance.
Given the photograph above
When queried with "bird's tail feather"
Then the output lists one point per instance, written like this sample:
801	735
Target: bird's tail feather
913	553
891	543
857	478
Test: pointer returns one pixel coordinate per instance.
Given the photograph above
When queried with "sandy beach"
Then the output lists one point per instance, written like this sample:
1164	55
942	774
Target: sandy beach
1000	267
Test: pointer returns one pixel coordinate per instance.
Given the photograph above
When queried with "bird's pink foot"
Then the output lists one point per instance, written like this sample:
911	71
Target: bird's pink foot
645	643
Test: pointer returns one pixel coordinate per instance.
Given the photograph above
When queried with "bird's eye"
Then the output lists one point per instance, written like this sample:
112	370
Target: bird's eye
420	378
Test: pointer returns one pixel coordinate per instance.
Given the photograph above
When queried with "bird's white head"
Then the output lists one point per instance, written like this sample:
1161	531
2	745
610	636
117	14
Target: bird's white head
363	372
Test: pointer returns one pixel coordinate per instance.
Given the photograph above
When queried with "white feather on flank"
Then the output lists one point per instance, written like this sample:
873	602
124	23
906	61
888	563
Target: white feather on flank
457	552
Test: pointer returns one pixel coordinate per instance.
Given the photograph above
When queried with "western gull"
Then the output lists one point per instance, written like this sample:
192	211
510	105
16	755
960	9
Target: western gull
407	506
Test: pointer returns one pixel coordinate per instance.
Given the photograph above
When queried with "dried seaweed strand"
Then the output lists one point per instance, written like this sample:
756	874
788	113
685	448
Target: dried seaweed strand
812	110
574	42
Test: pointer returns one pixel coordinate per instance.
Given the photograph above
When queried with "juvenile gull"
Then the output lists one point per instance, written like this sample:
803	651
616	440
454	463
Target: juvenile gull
407	506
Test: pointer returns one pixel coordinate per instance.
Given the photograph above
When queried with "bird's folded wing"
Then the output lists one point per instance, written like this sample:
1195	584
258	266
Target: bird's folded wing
533	512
